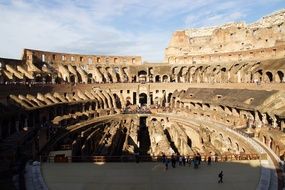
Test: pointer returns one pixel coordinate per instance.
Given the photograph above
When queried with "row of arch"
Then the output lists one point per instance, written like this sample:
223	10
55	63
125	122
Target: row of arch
237	73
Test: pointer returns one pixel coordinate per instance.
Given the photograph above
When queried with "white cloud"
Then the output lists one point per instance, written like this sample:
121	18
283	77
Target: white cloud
119	27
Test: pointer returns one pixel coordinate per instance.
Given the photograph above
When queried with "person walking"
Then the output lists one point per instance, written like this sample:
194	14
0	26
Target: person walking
173	161
163	158
209	160
189	160
183	160
180	160
221	175
166	164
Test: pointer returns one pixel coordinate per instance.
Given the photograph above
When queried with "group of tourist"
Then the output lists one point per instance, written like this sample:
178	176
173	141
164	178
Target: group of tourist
182	161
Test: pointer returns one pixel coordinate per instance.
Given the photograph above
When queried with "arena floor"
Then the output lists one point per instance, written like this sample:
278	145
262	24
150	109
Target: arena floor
150	176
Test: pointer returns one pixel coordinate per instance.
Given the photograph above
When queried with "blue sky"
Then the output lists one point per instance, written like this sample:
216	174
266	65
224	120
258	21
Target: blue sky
115	27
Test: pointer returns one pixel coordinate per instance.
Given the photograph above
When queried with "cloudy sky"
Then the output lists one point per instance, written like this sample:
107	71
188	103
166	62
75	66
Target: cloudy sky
118	27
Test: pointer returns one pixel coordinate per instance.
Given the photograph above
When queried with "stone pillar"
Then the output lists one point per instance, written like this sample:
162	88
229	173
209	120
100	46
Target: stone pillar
147	75
138	96
258	122
148	96
264	120
274	122
282	125
229	76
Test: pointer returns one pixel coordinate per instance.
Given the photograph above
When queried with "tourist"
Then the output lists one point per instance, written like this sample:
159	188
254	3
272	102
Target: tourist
163	158
189	160
221	177
180	160
199	158
216	157
183	160
209	160
195	161
173	161
166	164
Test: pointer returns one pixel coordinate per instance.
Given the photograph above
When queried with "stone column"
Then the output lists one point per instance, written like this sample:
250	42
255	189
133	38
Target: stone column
258	122
138	95
264	121
147	75
282	125
274	122
148	95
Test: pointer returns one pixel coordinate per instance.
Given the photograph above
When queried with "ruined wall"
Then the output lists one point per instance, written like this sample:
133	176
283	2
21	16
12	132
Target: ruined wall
37	56
230	42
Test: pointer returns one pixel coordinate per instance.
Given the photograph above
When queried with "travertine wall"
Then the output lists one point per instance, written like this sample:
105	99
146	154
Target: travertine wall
230	42
37	56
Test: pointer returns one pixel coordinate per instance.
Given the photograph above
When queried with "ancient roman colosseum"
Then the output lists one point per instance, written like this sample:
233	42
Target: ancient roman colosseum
220	91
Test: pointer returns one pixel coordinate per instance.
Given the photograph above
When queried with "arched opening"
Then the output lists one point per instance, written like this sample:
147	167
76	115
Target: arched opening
230	141
117	101
58	80
142	76
90	78
237	147
264	140
189	142
125	73
258	75
280	75
38	78
157	78
169	97
142	99
165	78
72	79
269	76
48	78
128	101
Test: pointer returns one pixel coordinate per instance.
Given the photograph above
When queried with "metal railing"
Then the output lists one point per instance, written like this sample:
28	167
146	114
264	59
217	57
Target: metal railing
133	158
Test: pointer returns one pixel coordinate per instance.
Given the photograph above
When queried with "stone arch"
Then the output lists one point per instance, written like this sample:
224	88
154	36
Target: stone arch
128	101
72	78
38	78
223	73
157	78
230	141
164	78
280	76
237	146
90	78
269	76
142	99
142	74
117	101
258	75
169	97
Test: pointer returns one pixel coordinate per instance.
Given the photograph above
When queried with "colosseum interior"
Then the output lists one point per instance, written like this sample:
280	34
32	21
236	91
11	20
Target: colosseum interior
220	91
